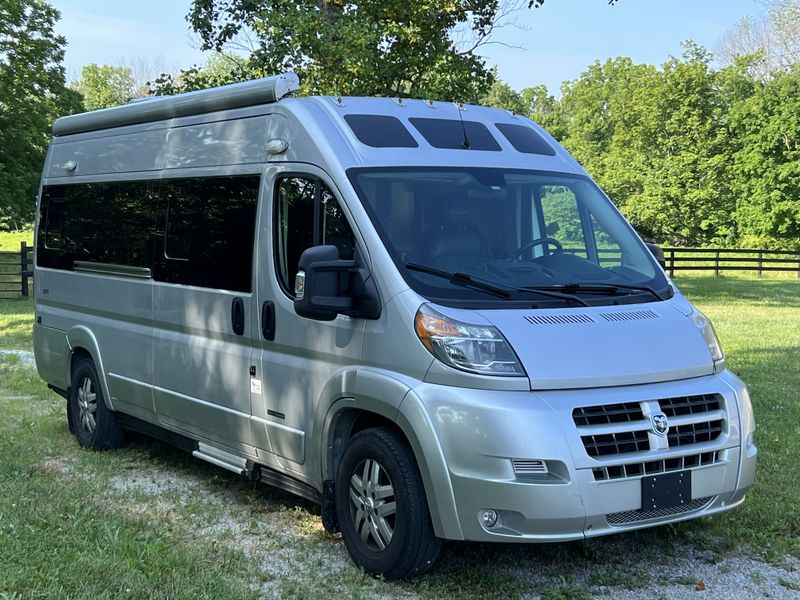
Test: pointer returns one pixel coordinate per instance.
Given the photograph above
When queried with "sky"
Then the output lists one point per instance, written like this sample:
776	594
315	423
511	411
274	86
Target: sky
547	45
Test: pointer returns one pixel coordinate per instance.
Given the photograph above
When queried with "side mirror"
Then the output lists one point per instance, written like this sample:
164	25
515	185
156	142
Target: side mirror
326	286
658	254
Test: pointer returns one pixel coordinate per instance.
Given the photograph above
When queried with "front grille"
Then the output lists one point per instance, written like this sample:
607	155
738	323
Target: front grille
607	413
625	427
695	433
689	405
651	467
634	516
616	443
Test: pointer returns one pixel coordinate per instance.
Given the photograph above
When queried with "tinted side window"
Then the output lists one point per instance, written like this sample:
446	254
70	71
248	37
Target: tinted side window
380	131
449	134
97	222
525	139
307	214
208	232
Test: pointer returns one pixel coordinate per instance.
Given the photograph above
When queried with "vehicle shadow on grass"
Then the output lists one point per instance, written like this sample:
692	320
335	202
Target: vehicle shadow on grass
779	293
464	569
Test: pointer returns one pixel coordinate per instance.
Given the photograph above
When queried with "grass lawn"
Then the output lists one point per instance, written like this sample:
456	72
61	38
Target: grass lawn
149	521
10	240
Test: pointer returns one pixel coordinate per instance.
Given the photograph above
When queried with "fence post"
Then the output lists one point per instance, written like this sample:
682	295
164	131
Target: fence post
760	262
716	263
671	263
798	264
23	267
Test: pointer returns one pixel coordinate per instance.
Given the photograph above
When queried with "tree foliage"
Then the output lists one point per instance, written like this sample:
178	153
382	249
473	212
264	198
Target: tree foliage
771	39
692	155
32	94
362	47
104	86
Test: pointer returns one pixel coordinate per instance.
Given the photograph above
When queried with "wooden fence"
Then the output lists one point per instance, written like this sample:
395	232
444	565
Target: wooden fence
731	259
16	272
16	268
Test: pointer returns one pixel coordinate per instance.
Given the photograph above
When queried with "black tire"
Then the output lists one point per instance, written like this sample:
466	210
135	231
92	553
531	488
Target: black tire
412	547
89	419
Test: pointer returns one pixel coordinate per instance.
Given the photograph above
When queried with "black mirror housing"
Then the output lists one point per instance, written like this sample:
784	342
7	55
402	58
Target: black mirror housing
658	254
327	286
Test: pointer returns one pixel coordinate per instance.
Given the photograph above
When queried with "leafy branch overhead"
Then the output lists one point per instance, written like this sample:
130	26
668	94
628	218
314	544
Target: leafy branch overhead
424	49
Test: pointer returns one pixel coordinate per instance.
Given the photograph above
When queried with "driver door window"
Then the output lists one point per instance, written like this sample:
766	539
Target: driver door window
562	220
307	214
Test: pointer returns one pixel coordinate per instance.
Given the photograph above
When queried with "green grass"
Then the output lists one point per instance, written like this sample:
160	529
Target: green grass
758	322
149	521
10	240
16	322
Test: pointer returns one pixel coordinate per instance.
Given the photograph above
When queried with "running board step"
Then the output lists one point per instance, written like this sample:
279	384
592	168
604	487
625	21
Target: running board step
223	459
289	484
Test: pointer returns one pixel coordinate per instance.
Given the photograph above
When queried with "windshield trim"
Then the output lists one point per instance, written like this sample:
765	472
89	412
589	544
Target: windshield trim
659	282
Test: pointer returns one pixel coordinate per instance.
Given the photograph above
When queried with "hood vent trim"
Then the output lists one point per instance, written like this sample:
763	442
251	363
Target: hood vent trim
560	319
630	315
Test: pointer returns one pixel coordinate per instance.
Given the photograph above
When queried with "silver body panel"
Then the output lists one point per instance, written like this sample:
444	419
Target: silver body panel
166	355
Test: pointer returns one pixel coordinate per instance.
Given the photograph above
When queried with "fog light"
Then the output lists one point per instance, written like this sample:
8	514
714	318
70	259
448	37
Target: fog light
488	517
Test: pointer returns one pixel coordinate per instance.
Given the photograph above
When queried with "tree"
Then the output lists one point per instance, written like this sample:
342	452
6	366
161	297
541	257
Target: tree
502	95
103	86
220	69
772	38
32	94
766	169
657	141
362	47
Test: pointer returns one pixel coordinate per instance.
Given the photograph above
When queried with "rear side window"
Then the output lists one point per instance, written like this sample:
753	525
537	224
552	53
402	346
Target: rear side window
208	232
307	214
110	223
525	139
380	131
189	231
451	134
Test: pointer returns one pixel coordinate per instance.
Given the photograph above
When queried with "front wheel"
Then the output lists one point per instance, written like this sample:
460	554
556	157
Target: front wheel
381	506
90	420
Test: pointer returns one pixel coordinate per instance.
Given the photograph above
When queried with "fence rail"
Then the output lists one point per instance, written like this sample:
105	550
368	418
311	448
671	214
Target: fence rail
16	268
731	259
16	272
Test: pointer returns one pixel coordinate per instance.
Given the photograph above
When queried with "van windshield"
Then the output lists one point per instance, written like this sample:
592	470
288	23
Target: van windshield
494	235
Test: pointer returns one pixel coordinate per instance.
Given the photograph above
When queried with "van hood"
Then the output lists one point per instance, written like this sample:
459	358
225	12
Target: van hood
604	346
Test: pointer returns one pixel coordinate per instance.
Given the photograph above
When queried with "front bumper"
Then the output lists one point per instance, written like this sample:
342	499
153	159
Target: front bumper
481	432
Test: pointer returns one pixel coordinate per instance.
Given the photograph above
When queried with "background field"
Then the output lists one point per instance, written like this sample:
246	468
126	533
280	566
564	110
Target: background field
150	521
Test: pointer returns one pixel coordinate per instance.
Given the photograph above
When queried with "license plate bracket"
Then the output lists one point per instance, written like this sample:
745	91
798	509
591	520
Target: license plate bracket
667	490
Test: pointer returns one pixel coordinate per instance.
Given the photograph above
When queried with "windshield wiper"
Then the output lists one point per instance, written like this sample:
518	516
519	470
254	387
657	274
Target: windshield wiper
460	279
549	290
605	288
469	281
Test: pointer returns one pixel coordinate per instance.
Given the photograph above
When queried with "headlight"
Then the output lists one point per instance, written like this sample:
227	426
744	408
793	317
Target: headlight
710	336
474	348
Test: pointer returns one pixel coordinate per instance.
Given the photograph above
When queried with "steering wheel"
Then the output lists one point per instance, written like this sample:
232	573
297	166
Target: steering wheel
542	241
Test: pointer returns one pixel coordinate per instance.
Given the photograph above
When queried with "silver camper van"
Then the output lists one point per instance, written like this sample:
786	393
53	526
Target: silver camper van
424	316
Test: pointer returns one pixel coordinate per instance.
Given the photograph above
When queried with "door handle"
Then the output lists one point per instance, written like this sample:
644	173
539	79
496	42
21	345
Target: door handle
268	320
237	316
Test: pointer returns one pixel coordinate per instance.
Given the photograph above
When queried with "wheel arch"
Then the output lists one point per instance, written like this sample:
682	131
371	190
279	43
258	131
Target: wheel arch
349	415
83	344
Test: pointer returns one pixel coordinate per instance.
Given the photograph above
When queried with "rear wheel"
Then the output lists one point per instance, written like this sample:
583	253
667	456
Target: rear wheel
90	420
381	506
